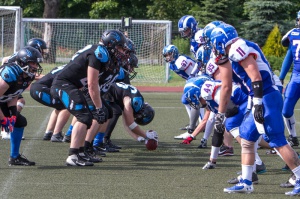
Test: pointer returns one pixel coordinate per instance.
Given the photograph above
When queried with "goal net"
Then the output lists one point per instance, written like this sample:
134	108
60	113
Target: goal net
10	21
66	36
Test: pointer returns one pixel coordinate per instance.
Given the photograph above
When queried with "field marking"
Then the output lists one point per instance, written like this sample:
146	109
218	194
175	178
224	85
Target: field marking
13	177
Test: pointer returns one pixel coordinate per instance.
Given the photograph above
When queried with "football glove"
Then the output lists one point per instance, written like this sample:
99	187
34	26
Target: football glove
151	135
219	122
12	121
100	115
188	140
5	124
258	110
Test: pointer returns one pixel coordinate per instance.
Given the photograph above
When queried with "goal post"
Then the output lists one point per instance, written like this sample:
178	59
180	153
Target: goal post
66	36
10	24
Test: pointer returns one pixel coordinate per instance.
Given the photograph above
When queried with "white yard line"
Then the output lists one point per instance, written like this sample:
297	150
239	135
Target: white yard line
14	173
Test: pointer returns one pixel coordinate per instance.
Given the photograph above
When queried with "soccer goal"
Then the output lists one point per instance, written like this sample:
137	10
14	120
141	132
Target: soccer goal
66	36
10	24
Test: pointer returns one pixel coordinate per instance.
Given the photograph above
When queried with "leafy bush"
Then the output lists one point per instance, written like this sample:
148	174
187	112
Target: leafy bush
183	45
275	62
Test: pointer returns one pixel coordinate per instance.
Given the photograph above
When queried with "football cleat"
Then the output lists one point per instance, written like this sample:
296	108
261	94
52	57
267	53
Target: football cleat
226	151
209	165
111	145
293	141
185	128
76	160
90	157
296	190
237	180
203	143
183	136
290	182
20	161
260	169
47	136
67	139
57	137
244	186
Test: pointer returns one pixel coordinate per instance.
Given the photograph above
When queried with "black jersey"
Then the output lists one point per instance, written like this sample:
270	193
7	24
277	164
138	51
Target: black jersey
119	90
12	74
75	72
49	77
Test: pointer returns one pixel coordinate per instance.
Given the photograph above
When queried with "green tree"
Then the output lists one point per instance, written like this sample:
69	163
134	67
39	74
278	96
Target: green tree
262	17
115	9
223	10
273	45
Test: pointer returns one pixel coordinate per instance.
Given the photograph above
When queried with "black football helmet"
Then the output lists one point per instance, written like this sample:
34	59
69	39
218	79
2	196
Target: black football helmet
131	46
26	55
38	44
145	115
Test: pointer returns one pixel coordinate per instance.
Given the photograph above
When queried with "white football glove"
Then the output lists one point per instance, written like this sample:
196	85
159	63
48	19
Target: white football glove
151	135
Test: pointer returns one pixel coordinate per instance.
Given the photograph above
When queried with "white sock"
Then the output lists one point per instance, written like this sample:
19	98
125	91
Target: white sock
247	171
290	125
209	126
214	152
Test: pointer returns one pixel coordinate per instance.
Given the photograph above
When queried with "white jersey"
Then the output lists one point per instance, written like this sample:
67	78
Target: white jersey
211	67
183	66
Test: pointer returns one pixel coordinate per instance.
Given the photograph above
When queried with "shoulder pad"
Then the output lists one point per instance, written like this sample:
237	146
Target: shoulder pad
181	62
10	73
207	90
102	54
211	67
239	51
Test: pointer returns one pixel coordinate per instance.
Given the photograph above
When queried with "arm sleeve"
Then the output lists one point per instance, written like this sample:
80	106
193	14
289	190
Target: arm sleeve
286	64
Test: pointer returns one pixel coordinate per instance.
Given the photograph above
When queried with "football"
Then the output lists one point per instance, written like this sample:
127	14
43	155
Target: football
151	144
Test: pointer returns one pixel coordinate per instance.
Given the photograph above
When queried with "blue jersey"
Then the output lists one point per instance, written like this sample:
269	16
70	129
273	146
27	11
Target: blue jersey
239	51
293	53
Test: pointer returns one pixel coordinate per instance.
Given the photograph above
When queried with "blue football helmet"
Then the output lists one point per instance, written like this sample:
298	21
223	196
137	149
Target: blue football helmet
199	37
203	56
170	53
221	37
209	28
192	90
298	20
186	23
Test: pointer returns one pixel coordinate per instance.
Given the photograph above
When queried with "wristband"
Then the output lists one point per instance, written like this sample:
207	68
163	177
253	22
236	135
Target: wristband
132	126
12	110
258	89
257	100
20	104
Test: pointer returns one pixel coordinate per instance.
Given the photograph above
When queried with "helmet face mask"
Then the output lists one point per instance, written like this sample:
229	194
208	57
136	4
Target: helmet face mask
145	115
28	59
187	26
170	53
222	36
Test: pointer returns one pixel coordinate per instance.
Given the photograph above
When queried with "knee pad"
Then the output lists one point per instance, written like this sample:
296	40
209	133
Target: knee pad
21	121
247	147
217	139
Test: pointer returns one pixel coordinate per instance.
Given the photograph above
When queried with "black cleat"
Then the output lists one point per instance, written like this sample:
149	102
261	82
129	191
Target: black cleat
111	145
47	136
293	141
67	139
20	161
57	137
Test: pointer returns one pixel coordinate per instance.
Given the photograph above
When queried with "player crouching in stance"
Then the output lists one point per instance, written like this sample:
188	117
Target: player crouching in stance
15	77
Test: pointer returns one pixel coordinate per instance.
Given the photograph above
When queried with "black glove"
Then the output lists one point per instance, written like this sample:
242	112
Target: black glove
219	122
258	113
101	115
